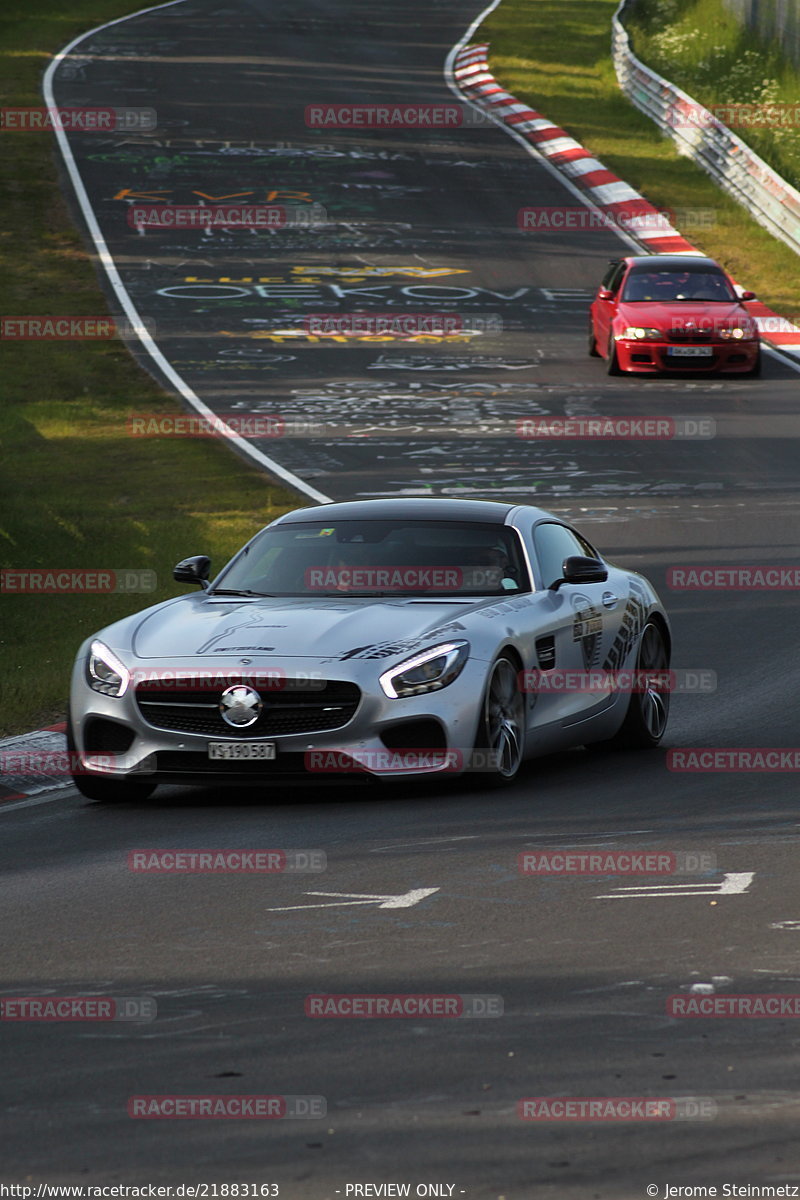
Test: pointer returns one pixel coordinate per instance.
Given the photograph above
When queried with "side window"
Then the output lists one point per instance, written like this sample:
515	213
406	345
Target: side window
611	271
616	278
553	543
613	276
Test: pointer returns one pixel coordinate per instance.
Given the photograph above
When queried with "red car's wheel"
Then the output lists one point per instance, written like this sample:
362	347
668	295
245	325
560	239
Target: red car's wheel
612	362
755	370
593	351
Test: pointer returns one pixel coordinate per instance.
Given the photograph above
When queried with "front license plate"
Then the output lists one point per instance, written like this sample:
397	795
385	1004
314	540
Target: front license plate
691	351
241	750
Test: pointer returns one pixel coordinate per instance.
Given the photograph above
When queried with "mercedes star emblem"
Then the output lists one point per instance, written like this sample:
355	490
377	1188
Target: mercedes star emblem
240	706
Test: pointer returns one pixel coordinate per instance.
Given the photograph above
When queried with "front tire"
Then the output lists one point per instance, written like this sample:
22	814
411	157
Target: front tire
612	362
755	370
648	710
106	791
501	732
593	351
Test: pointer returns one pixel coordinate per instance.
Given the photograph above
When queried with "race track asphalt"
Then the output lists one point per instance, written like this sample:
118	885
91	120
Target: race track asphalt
584	967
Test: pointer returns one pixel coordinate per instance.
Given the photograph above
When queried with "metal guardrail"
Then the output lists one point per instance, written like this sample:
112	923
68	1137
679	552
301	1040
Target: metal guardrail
700	135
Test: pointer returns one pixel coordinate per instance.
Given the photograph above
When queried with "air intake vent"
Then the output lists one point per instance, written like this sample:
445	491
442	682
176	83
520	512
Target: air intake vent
546	653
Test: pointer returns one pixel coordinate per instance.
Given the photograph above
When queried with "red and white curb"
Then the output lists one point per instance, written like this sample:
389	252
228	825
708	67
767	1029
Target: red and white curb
605	190
32	763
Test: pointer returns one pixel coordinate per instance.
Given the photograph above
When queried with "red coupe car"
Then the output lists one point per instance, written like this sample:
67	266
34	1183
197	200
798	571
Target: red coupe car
672	312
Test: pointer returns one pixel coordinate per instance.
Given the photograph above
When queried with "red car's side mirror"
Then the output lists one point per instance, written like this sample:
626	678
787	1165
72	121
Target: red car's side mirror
605	294
748	296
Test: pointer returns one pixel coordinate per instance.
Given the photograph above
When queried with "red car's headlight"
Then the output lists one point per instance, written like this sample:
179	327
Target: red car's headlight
642	333
738	333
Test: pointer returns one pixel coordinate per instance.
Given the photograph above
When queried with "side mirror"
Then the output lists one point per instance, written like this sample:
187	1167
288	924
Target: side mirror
748	296
578	569
193	570
605	294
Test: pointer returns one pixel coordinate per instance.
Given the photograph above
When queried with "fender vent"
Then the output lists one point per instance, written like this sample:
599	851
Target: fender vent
546	653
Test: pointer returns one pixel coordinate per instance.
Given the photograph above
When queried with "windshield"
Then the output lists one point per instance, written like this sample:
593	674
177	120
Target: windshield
666	286
384	558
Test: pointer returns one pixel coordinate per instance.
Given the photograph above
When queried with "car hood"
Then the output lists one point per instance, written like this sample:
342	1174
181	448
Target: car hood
661	316
199	627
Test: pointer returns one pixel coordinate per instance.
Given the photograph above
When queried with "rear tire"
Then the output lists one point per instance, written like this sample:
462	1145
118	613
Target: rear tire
107	791
648	711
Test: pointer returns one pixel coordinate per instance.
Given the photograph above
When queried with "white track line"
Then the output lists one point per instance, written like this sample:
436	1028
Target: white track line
47	798
120	291
450	80
783	356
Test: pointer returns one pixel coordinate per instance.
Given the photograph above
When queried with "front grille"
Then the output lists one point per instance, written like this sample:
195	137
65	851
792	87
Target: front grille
327	704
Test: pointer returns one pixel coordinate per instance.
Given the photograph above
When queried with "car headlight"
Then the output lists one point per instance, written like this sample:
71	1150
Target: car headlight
736	334
426	672
106	673
641	333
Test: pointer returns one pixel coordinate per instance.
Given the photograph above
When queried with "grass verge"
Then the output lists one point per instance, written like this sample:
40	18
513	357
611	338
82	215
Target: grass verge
556	56
75	490
700	45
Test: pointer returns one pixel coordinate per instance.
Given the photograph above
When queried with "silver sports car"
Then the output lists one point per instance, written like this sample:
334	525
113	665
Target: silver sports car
384	637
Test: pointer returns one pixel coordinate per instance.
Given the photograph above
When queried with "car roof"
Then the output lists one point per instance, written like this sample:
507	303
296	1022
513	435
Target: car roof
412	508
687	262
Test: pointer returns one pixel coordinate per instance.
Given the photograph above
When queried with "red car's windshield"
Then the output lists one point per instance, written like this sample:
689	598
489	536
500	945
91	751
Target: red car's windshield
666	286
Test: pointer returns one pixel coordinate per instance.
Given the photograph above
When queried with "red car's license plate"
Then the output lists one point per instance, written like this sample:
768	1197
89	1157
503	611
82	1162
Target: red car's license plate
690	351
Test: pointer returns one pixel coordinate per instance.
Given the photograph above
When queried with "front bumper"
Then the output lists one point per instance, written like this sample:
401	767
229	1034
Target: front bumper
728	357
430	734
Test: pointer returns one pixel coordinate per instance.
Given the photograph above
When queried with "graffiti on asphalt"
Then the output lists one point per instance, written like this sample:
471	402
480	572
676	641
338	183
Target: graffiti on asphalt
418	362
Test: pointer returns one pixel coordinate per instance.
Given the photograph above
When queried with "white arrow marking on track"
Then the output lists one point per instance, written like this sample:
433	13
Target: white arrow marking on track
730	885
404	901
